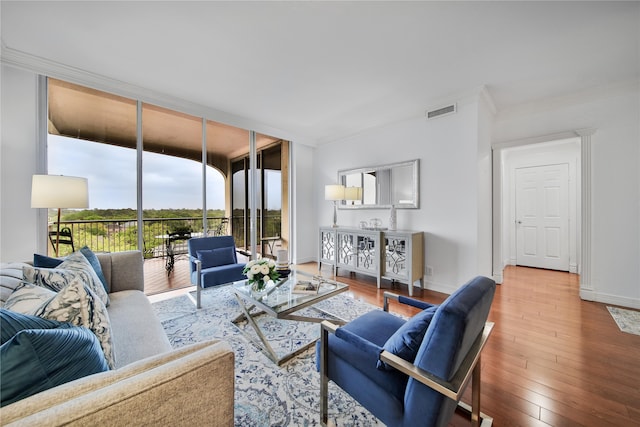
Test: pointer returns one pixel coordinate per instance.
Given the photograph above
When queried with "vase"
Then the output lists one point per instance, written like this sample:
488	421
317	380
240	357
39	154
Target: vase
392	218
258	288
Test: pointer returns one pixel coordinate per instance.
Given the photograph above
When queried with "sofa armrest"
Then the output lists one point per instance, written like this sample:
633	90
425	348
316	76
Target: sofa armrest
173	388
124	271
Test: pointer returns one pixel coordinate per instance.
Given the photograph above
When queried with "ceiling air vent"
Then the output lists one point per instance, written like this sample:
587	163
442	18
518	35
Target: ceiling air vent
442	111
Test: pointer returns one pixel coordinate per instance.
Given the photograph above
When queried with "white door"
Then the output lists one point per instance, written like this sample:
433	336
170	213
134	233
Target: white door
542	216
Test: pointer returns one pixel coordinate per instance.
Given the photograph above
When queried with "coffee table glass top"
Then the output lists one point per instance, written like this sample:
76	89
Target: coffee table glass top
284	297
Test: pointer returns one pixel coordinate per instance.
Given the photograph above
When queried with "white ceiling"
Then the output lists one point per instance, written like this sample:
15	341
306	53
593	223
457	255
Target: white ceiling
326	70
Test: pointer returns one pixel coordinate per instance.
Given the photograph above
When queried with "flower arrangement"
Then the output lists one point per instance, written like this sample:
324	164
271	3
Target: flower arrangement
259	272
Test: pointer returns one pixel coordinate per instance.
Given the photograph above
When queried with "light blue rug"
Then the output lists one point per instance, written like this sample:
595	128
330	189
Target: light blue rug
265	394
627	320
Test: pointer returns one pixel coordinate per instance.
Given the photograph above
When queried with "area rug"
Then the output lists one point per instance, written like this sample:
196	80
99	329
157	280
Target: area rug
265	394
627	320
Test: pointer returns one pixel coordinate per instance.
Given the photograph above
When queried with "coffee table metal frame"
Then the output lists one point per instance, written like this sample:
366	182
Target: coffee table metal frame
248	302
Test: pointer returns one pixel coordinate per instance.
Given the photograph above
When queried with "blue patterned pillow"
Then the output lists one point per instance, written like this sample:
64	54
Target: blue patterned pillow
55	279
75	303
28	298
405	342
35	360
49	262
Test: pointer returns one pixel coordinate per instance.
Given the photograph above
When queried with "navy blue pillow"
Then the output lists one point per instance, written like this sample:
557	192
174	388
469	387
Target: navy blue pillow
35	360
44	261
405	342
13	322
49	262
216	257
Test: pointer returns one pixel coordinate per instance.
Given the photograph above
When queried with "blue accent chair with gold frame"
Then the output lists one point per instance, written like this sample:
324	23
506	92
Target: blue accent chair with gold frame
411	373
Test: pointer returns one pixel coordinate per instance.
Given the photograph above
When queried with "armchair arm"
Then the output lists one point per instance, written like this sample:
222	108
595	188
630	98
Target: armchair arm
404	300
452	389
359	342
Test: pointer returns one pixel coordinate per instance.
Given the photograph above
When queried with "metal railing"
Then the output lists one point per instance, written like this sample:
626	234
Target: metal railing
122	235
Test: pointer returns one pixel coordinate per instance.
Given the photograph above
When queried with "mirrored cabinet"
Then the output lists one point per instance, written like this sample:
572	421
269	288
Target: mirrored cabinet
393	255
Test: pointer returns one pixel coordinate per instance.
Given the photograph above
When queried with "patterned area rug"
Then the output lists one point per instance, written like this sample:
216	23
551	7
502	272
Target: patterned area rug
265	394
628	320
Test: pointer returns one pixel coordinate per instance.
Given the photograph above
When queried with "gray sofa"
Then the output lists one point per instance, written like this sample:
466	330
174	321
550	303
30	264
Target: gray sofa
151	385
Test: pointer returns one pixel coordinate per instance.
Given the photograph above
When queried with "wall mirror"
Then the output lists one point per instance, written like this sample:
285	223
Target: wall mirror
382	186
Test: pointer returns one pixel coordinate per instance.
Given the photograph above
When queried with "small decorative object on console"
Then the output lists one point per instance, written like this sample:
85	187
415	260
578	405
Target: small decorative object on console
392	218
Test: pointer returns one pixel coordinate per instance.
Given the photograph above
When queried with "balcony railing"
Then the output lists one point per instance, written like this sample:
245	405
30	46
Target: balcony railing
122	235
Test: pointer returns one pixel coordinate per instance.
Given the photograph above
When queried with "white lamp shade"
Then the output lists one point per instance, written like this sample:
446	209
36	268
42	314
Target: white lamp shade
57	191
334	192
353	193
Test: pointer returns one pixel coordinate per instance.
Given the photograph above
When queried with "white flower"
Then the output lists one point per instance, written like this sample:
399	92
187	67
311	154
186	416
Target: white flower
249	275
255	269
272	263
264	269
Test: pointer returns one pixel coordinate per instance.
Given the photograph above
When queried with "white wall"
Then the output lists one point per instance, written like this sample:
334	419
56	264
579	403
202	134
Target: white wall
304	213
615	189
18	228
449	190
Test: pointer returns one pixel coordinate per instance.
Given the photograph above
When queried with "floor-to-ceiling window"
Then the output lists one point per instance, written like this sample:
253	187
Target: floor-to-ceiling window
94	134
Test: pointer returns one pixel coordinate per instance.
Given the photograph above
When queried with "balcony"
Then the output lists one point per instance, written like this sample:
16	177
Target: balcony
122	235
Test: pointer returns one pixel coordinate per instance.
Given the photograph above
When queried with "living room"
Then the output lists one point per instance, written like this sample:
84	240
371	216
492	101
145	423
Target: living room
590	91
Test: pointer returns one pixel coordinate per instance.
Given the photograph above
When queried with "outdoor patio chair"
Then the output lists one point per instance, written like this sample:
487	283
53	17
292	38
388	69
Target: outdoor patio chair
63	238
411	373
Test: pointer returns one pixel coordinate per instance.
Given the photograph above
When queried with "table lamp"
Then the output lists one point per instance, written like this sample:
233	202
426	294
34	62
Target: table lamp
59	192
353	194
334	192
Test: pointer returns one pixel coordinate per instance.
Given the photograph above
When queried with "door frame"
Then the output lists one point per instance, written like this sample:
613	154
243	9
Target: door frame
585	208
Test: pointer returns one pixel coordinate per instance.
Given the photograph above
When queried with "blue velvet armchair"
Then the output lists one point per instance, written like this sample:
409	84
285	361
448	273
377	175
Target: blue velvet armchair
411	373
213	261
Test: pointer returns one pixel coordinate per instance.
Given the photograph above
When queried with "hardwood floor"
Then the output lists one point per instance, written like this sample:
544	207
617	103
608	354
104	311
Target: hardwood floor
552	359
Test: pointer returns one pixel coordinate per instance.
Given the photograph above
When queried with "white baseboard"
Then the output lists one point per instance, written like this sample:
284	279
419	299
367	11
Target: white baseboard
591	295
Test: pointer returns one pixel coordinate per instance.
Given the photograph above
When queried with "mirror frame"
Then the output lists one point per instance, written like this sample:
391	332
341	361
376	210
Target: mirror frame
415	165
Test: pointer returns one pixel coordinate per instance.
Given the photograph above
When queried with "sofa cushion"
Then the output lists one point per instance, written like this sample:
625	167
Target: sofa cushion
34	360
56	278
49	262
405	342
76	304
216	257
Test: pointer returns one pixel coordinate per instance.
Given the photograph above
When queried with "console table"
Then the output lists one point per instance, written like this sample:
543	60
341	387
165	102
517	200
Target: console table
394	255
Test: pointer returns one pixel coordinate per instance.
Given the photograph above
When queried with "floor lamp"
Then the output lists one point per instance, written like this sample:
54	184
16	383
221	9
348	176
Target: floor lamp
334	192
59	192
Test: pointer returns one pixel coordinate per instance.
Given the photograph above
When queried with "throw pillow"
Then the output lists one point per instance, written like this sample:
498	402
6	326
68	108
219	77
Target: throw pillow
75	303
216	257
75	264
46	261
49	262
13	322
405	342
28	298
35	360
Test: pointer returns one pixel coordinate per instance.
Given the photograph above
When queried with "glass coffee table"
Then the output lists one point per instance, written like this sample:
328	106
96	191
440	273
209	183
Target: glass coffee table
281	301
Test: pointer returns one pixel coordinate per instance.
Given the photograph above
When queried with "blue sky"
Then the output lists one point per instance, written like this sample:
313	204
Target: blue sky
168	182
